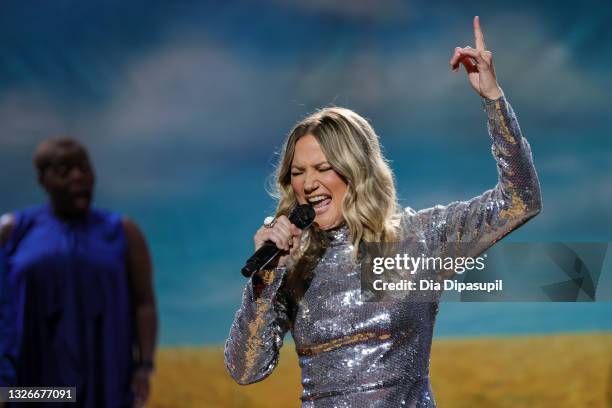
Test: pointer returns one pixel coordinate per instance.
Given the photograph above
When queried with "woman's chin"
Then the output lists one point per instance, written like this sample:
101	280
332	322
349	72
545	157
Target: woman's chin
322	225
327	224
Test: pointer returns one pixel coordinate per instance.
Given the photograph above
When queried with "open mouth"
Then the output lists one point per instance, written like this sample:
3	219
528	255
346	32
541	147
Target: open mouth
81	196
321	203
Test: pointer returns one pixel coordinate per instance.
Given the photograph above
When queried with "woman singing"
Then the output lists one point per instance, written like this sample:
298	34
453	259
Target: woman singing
355	353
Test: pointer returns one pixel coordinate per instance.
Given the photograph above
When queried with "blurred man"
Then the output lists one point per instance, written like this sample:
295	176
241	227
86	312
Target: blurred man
77	306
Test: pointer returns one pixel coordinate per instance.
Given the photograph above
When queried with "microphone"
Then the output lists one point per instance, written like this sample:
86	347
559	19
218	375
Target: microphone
301	216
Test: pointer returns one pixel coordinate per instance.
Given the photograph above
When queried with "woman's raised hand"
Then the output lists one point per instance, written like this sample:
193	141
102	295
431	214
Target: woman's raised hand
478	64
283	233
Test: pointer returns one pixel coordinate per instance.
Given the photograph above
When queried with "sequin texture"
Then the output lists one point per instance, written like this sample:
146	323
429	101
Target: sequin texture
373	354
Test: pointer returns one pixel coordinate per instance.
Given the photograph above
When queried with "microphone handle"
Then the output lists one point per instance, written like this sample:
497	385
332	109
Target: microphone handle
262	256
301	216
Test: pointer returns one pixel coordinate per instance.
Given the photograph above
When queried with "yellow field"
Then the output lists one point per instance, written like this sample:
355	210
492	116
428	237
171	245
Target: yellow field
544	371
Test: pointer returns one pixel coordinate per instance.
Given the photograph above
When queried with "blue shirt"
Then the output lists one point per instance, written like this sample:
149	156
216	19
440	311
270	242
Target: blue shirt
65	314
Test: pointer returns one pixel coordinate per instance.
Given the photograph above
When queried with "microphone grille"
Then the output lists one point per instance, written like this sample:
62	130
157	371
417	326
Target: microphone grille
302	216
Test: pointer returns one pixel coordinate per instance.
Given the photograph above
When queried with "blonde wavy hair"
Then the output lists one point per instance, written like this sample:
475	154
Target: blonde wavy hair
351	146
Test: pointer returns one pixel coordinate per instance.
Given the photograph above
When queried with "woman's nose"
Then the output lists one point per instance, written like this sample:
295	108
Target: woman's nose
310	183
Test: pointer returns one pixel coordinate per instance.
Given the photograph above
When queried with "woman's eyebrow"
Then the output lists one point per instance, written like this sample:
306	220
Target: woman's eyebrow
314	165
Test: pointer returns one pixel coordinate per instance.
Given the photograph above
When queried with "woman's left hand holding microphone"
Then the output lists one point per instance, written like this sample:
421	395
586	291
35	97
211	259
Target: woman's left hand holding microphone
283	233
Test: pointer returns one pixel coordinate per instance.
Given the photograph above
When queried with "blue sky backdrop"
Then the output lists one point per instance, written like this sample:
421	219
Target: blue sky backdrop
185	104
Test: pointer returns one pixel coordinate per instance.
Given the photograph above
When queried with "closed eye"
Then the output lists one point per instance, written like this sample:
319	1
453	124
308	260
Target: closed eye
297	173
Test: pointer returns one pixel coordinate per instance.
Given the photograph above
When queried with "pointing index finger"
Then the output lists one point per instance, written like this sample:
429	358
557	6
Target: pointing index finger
478	36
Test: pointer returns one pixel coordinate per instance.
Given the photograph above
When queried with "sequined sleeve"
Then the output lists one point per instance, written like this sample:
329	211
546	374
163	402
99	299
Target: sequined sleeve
478	223
259	327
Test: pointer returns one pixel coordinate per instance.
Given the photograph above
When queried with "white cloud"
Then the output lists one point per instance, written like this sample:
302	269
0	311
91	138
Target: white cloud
381	10
182	88
26	117
191	91
192	88
541	69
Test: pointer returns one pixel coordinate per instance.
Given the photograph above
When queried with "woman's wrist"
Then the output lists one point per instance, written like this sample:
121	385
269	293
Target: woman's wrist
493	95
267	280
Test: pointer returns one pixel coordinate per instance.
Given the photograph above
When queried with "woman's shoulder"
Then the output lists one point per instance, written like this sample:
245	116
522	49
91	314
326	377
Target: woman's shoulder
408	221
412	220
408	212
412	215
409	216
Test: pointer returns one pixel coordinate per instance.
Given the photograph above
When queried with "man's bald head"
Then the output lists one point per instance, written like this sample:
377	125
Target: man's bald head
48	150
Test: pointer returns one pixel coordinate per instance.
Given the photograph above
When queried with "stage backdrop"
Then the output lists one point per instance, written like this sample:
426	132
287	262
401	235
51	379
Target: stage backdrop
184	106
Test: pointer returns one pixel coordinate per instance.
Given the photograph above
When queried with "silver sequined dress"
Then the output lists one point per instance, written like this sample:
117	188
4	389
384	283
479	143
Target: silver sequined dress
365	354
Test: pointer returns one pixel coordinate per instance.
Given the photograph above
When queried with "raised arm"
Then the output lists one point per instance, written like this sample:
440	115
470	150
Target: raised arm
480	222
259	328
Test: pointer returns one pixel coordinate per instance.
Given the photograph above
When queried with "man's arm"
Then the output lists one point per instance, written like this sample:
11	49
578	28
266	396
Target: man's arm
140	273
